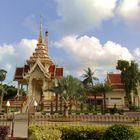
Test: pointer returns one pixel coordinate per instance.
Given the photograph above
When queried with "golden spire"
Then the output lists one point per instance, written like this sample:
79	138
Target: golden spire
41	40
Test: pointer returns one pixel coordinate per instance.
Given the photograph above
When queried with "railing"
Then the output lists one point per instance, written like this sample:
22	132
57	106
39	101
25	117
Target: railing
8	120
29	105
84	119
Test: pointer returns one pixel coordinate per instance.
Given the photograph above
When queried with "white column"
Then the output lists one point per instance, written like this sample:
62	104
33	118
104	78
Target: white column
18	89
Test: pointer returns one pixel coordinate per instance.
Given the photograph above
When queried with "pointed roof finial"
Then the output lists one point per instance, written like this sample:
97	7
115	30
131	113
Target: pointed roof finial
41	40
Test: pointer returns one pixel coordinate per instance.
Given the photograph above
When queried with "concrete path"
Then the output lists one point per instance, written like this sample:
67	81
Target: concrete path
21	125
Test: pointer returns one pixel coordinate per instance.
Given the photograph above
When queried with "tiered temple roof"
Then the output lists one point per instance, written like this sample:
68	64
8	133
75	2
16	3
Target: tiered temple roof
116	81
41	54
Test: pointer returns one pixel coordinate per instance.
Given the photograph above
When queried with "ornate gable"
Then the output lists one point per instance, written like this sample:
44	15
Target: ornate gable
39	65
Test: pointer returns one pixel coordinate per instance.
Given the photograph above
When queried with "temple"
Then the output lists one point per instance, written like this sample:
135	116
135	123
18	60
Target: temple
38	73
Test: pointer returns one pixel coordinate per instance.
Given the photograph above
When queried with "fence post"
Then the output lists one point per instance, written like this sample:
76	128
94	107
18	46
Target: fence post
13	121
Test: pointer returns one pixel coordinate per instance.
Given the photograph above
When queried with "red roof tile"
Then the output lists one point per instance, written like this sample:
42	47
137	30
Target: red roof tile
59	72
20	71
116	81
115	78
52	68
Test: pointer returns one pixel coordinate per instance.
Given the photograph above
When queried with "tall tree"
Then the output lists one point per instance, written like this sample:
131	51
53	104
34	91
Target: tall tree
130	77
57	89
103	88
71	87
2	75
2	90
89	77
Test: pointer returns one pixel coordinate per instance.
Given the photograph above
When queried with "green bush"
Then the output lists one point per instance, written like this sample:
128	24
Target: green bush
120	132
43	133
132	107
68	132
90	107
83	132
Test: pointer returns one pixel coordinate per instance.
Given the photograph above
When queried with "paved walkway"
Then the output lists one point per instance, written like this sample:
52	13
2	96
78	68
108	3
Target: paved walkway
21	125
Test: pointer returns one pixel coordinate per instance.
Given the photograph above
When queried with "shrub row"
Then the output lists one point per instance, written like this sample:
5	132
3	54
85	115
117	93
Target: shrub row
4	131
83	132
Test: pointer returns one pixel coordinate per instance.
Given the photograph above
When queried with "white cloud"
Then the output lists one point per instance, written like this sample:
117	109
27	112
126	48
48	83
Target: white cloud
129	11
12	55
89	52
137	53
81	15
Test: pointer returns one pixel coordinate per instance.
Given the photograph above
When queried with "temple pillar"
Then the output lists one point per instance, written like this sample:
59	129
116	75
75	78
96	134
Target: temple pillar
18	90
30	88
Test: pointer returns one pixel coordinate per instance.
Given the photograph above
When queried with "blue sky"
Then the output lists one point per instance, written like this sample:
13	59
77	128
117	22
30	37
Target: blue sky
82	33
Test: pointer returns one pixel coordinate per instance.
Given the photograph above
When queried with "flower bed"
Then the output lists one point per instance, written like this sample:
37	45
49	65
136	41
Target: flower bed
4	131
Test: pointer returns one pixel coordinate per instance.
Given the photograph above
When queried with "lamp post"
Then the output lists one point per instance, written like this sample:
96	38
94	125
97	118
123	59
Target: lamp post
7	106
35	105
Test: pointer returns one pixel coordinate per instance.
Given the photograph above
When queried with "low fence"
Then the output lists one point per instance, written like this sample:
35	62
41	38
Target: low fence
7	120
84	119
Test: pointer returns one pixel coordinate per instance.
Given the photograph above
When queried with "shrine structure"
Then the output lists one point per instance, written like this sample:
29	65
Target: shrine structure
38	73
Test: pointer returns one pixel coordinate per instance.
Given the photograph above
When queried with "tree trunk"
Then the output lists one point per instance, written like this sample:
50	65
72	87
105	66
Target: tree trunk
65	109
95	103
0	103
104	100
61	105
56	103
51	107
70	107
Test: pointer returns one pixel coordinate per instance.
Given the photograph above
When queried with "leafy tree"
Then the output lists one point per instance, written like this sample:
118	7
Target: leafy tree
89	77
130	77
103	88
100	88
2	90
71	87
2	75
57	89
11	92
2	93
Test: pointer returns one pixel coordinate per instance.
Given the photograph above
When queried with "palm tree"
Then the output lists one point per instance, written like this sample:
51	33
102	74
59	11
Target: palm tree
103	88
70	87
89	77
2	90
57	89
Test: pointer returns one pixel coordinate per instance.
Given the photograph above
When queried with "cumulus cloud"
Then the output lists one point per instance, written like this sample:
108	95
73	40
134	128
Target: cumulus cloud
129	11
12	55
137	53
87	51
81	15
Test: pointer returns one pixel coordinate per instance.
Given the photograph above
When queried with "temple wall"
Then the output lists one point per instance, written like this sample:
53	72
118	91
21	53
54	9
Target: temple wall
115	98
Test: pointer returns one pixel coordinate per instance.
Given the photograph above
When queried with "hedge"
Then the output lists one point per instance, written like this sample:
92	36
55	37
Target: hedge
120	132
4	131
68	132
83	132
43	133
